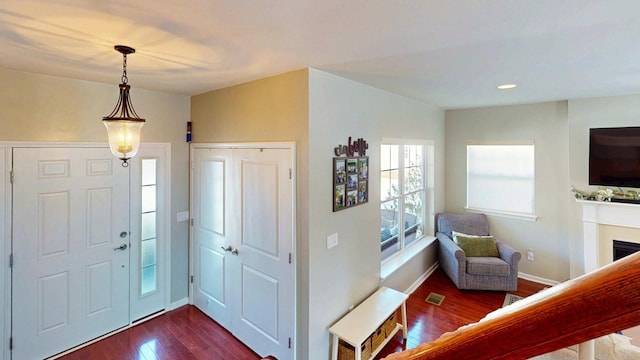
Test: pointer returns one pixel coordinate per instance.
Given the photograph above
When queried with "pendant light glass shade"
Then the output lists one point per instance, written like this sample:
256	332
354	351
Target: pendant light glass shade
123	124
124	138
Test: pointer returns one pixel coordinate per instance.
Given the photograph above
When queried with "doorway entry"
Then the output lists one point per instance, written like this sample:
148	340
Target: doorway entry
78	264
242	203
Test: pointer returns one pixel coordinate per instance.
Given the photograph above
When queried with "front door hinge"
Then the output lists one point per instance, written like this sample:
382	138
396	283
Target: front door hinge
191	221
289	174
11	176
11	260
11	343
193	164
191	279
290	343
290	261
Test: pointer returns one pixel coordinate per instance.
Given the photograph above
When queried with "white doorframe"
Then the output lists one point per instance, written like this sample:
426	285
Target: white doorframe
254	145
6	148
5	250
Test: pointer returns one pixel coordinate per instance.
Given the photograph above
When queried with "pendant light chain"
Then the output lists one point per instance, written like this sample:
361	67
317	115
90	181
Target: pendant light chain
125	79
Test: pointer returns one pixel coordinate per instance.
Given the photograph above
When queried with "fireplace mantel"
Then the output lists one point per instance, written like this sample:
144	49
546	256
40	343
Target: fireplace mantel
595	213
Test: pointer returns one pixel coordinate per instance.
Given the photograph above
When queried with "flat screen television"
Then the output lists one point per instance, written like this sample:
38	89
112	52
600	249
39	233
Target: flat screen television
614	157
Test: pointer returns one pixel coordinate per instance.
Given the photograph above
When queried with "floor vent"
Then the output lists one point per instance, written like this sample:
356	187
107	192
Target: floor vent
435	299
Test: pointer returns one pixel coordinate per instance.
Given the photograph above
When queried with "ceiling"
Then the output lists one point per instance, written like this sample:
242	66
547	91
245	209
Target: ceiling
451	54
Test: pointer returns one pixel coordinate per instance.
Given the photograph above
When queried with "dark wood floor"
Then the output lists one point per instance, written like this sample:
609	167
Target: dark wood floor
427	322
186	333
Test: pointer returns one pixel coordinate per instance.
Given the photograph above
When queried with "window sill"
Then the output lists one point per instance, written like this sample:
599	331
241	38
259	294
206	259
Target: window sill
510	215
395	262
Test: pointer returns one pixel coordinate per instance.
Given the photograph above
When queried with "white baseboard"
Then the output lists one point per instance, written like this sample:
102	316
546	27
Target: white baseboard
422	279
537	279
176	304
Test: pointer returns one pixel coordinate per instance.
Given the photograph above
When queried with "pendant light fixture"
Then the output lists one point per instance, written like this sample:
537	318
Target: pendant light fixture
123	124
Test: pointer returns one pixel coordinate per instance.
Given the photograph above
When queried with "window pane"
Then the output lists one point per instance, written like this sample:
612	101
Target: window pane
148	225
501	177
413	168
148	283
148	198
413	179
388	184
389	157
389	239
148	254
413	155
413	221
148	171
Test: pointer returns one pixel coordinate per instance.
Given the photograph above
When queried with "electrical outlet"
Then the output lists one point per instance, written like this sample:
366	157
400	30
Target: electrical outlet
332	240
530	255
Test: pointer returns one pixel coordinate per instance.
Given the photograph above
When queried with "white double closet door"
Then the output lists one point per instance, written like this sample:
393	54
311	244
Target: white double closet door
242	236
71	248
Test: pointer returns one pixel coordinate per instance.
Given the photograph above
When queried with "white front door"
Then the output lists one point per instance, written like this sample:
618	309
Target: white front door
70	248
243	265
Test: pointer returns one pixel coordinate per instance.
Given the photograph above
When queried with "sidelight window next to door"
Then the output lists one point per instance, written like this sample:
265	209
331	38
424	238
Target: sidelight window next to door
148	251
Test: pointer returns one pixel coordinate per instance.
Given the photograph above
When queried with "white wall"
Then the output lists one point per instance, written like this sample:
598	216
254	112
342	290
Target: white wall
46	108
546	124
348	273
584	114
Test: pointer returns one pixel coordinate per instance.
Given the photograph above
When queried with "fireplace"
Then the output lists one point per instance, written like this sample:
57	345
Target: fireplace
604	222
623	248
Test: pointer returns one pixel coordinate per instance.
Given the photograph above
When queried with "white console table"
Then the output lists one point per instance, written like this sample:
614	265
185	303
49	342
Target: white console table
361	322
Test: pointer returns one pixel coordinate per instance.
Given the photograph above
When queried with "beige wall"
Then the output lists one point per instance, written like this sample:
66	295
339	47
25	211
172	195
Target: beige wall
584	114
44	108
346	274
546	124
271	109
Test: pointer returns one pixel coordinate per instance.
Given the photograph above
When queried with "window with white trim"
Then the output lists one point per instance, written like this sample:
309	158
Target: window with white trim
501	177
402	197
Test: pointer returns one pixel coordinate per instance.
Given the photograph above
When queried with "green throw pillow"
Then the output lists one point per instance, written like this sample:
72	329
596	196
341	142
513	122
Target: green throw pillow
475	246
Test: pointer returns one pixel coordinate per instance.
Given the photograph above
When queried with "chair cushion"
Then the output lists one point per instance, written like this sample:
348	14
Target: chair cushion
476	245
487	266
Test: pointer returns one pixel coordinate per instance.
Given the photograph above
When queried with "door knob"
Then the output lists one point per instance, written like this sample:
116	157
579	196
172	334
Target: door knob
121	247
235	252
228	248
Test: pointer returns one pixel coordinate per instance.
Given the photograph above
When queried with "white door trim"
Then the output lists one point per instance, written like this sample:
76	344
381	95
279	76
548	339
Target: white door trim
5	249
255	145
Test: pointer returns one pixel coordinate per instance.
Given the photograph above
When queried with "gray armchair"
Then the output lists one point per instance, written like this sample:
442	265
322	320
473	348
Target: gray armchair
475	273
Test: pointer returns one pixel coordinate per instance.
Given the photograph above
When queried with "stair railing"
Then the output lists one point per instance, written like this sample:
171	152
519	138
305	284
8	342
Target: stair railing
602	302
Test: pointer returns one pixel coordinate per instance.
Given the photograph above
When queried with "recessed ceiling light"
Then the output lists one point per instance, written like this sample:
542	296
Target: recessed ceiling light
507	86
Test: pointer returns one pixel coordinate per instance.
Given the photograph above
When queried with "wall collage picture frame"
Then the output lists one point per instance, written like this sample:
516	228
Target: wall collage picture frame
350	182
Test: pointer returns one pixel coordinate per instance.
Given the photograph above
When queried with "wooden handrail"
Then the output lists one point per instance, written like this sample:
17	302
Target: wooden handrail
596	304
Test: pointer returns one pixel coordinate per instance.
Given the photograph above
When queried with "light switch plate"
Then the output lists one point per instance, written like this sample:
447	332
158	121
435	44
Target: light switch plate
332	240
182	216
